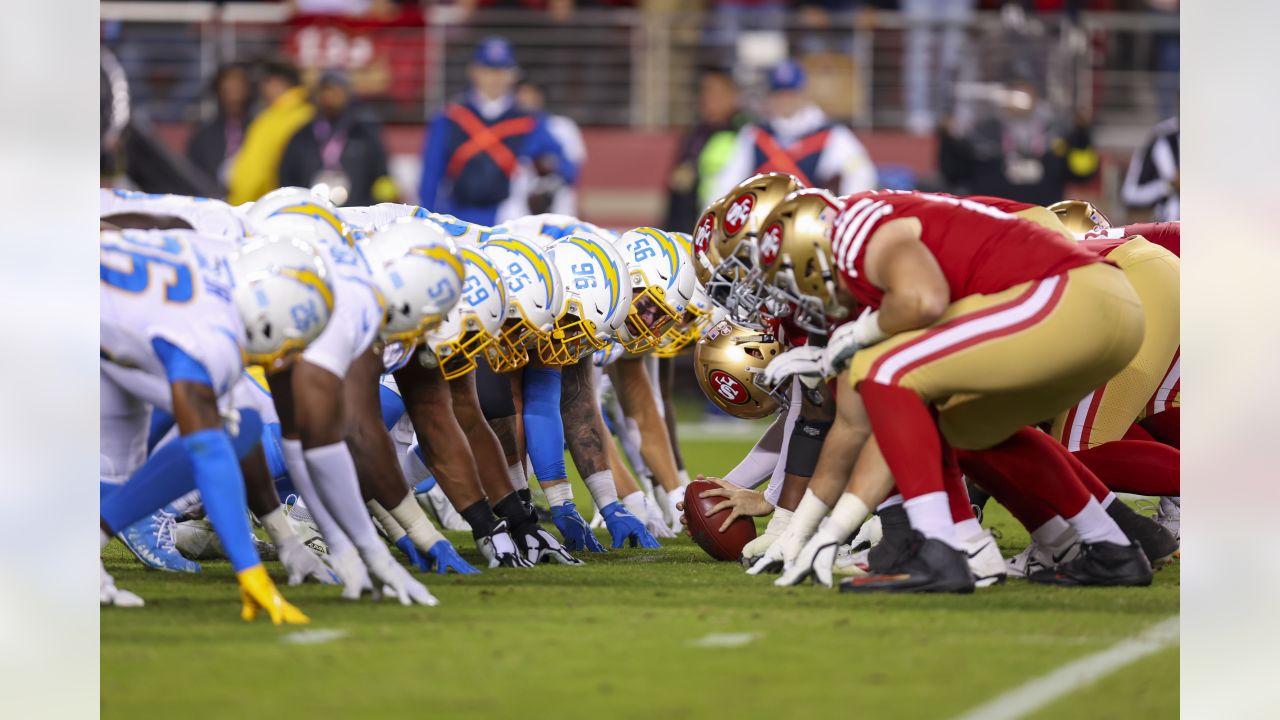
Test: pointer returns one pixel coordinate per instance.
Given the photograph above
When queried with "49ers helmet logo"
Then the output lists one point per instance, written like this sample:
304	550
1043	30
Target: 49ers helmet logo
702	233
770	244
735	217
728	387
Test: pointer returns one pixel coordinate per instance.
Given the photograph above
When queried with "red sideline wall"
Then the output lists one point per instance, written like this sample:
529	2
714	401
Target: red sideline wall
624	181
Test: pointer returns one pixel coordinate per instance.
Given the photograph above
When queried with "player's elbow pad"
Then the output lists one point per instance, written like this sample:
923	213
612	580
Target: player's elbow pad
212	456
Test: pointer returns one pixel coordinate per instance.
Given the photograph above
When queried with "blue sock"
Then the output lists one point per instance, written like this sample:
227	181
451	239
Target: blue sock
392	406
217	476
543	427
425	485
166	476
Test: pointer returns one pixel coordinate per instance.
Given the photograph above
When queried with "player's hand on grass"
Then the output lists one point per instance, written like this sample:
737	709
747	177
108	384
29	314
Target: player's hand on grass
500	548
303	564
258	593
444	557
351	572
752	551
398	581
573	529
814	560
538	545
625	527
409	550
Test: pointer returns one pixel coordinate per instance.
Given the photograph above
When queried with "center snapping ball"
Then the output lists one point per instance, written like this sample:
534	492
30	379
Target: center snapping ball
705	530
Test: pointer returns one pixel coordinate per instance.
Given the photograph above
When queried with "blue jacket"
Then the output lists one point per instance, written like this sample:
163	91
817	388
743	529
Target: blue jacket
468	178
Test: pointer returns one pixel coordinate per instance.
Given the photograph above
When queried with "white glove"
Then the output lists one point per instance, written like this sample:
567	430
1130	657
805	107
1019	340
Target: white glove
806	361
351	571
398	581
654	521
674	498
302	563
850	338
776	556
814	560
777	525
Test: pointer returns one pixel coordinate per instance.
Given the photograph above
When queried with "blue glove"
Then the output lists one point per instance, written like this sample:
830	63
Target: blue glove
624	526
574	529
406	546
446	558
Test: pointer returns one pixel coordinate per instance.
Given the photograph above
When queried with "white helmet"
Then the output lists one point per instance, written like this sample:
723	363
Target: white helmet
597	298
460	230
662	284
474	322
546	228
416	267
298	212
284	295
535	297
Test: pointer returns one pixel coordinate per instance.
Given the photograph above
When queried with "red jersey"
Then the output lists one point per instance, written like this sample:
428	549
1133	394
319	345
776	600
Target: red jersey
980	249
1165	234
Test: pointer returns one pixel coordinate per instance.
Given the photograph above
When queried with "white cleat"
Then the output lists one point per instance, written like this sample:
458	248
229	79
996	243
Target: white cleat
1169	515
985	561
303	526
437	504
109	594
814	560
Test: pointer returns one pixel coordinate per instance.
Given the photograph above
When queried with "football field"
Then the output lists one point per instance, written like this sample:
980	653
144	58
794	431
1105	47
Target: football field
656	634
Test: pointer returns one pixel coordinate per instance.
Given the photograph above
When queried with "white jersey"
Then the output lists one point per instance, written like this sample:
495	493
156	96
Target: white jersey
205	215
171	285
375	217
358	308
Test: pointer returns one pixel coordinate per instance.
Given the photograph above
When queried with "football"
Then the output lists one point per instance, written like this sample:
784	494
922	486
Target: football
705	530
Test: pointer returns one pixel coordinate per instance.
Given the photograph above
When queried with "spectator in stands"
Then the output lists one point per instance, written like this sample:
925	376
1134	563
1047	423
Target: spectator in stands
341	147
483	153
1151	184
554	197
1019	150
931	55
798	138
216	140
255	169
704	150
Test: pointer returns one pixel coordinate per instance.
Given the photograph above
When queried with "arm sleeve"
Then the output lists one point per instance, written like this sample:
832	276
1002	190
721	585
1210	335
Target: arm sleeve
768	457
178	365
433	161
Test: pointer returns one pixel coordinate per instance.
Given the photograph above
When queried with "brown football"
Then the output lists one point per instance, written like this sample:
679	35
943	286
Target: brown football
705	530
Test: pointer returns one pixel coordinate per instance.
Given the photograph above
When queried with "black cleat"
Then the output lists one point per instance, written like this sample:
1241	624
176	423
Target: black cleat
934	567
1100	564
1158	544
897	542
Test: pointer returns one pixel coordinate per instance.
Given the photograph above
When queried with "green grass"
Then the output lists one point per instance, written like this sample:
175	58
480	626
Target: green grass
615	639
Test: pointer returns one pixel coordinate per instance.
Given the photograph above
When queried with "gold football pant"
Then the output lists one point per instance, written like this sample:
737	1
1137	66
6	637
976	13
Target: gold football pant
1106	413
995	363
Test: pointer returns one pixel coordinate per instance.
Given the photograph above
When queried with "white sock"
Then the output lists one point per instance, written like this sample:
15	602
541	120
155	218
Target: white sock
635	503
807	515
1106	501
415	471
515	473
416	525
389	526
1048	533
1093	524
683	475
294	459
334	474
847	516
278	527
559	494
894	499
930	515
966	529
603	491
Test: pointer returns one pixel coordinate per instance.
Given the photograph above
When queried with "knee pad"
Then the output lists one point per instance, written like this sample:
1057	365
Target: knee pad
805	445
494	391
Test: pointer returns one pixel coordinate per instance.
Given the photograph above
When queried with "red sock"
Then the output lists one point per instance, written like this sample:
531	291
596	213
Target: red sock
1137	432
987	469
1134	466
953	481
907	435
1165	426
1041	466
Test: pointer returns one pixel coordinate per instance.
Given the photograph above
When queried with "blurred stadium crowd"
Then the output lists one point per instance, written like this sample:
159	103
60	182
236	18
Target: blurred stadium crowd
1033	100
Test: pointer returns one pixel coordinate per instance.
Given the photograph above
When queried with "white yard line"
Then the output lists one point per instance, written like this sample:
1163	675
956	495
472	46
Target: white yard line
313	637
1037	693
726	640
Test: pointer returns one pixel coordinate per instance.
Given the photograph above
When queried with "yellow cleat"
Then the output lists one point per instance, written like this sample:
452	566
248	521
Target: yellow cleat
257	592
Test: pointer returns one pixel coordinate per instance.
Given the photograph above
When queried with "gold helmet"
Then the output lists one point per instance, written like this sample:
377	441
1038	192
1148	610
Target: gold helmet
1079	216
726	361
729	228
797	268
